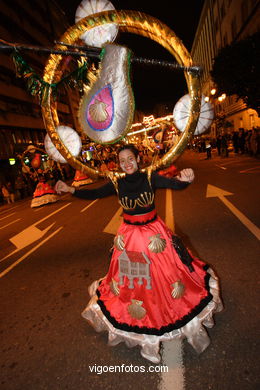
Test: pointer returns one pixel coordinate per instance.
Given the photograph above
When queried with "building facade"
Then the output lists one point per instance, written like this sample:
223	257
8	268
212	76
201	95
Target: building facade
36	23
221	23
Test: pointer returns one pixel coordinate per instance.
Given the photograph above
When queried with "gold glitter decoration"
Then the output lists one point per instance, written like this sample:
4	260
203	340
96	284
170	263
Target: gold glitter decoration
127	204
145	199
136	310
119	242
157	243
137	23
178	289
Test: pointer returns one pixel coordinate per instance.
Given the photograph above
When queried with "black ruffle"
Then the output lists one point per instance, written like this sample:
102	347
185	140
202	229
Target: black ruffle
164	329
182	252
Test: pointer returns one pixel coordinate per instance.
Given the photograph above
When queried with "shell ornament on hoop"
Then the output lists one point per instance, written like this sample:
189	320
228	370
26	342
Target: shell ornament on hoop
181	114
70	139
131	22
106	110
97	36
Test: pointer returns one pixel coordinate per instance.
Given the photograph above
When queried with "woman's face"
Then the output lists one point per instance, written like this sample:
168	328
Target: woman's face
128	161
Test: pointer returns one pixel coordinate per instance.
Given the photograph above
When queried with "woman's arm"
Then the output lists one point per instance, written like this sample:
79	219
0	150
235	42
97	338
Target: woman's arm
185	177
96	193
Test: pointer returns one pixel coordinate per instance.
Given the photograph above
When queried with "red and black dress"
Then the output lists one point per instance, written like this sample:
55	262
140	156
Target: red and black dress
43	193
155	289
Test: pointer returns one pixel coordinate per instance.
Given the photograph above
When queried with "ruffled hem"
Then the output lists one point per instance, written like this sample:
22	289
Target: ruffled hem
44	199
193	331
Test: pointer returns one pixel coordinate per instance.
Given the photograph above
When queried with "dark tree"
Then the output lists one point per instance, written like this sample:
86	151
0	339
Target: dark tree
236	70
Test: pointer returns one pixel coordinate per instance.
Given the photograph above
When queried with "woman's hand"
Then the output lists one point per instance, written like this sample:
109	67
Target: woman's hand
60	187
186	175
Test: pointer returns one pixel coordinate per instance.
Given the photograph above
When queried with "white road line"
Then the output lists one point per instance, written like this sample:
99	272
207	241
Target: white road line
89	205
54	212
250	169
28	253
213	191
31	234
172	358
2	227
11	208
171	350
7	216
219	166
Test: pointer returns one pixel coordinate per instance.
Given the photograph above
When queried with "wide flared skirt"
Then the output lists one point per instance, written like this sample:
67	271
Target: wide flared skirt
43	194
155	290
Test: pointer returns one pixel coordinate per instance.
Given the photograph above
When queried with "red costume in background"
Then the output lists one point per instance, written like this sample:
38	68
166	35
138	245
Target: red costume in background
43	193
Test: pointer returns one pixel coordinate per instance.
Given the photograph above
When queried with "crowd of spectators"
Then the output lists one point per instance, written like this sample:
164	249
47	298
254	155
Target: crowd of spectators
240	142
105	158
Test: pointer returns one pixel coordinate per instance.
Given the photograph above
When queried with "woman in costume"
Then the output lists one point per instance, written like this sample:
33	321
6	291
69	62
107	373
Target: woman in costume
155	289
43	193
81	179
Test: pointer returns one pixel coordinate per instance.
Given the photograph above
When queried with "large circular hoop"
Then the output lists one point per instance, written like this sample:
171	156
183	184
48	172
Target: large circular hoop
140	24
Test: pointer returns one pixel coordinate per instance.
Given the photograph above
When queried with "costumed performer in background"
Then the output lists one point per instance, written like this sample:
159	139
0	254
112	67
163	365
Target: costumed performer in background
81	179
155	289
43	193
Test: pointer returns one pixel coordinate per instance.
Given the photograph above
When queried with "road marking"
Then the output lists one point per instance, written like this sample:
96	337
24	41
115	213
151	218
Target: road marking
26	237
172	358
28	253
2	227
7	216
171	350
54	212
114	223
220	166
213	191
250	169
30	234
9	209
89	205
169	216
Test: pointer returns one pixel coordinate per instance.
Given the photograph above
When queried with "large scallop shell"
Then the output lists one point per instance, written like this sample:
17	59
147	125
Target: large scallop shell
97	36
157	243
119	242
69	138
136	310
181	114
97	111
114	287
178	289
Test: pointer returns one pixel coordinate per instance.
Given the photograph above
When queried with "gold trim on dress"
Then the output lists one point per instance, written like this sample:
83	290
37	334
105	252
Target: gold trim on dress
145	199
127	204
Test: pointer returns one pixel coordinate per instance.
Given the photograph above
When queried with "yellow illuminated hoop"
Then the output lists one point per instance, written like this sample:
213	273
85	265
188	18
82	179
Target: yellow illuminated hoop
140	24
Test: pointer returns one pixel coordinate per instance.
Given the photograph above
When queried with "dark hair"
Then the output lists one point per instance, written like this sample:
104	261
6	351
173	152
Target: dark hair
130	147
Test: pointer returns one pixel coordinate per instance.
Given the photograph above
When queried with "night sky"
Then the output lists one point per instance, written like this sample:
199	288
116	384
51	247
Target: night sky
153	85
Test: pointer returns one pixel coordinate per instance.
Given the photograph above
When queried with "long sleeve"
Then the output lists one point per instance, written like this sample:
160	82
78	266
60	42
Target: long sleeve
159	181
96	193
